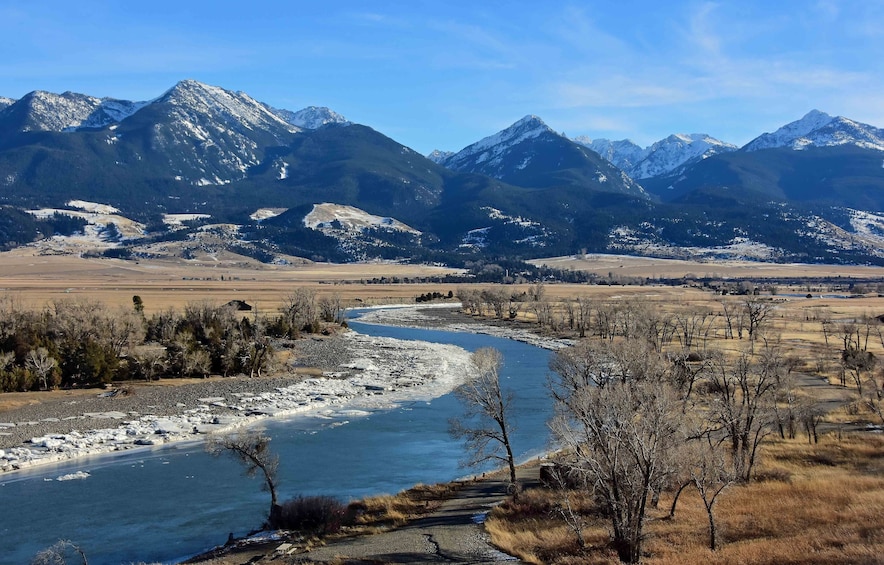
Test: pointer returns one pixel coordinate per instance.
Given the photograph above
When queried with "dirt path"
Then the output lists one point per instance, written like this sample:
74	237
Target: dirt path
453	534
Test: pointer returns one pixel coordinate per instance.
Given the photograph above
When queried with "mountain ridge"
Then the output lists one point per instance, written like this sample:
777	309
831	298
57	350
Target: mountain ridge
200	154
818	129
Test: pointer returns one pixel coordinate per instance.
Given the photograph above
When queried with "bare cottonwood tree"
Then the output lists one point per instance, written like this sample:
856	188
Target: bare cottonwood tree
252	449
710	475
622	437
42	363
57	554
741	407
331	308
484	425
757	311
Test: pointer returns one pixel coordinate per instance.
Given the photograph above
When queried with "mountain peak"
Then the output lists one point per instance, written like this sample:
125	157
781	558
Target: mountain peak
662	158
438	156
46	111
531	120
818	129
312	117
491	147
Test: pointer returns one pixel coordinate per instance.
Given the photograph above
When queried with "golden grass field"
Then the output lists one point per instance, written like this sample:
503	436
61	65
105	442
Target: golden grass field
813	504
37	280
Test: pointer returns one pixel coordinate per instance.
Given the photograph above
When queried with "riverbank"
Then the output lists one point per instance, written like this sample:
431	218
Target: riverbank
359	371
377	372
449	317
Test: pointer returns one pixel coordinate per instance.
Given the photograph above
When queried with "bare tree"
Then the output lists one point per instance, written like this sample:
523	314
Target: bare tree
484	425
757	312
39	361
584	314
497	299
622	437
252	449
711	475
741	407
299	310
331	308
57	554
692	325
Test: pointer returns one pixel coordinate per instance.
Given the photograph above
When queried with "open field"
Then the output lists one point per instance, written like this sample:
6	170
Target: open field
39	280
36	280
647	267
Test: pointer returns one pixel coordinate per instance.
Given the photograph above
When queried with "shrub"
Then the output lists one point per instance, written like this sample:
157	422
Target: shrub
319	515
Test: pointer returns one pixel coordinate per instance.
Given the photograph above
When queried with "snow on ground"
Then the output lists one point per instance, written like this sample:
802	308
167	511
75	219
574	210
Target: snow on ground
266	213
99	218
323	215
179	219
93	207
416	317
383	373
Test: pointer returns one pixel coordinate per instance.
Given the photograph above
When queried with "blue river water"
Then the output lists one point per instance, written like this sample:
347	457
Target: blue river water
165	504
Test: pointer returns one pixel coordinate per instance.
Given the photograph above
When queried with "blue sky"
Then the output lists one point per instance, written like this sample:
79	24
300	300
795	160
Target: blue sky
444	74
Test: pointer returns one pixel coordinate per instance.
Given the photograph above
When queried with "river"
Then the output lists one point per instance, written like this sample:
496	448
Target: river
166	504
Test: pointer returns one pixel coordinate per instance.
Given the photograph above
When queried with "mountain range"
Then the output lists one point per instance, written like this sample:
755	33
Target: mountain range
202	169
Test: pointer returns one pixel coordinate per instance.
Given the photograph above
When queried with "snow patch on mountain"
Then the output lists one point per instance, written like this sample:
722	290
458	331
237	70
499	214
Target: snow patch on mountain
625	239
98	232
93	207
282	170
665	157
533	233
311	117
4	102
218	133
818	129
327	216
266	213
234	108
177	220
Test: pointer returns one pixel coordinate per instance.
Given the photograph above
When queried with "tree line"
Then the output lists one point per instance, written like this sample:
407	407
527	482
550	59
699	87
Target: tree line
83	343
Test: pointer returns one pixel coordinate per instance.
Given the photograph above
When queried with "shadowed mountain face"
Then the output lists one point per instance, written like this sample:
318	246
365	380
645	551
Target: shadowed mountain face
220	157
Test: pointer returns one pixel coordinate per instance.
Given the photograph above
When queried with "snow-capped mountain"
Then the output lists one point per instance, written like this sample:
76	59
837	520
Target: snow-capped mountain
488	153
46	111
666	157
212	135
528	187
530	154
670	155
438	156
190	99
311	117
624	153
818	129
4	102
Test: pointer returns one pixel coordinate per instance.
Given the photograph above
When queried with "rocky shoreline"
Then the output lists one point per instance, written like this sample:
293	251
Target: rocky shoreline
357	369
448	316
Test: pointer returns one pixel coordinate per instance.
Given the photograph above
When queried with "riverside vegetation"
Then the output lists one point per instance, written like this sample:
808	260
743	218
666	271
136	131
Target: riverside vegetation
703	432
82	343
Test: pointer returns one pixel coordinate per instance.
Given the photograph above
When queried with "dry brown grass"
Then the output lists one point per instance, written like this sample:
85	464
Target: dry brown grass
817	504
377	513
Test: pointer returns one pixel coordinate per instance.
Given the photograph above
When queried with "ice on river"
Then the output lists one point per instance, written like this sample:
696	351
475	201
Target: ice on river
383	372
